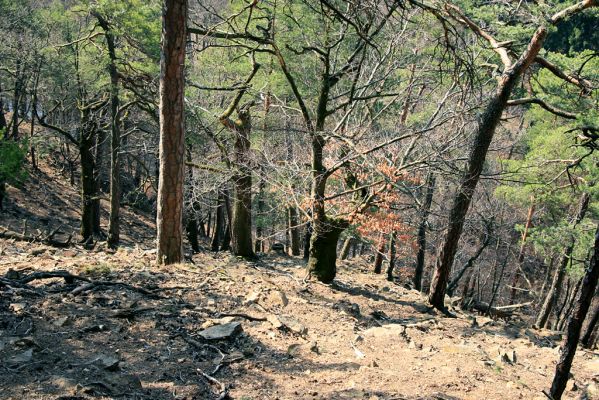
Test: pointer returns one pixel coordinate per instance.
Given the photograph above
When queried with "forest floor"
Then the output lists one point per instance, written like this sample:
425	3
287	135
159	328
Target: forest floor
122	327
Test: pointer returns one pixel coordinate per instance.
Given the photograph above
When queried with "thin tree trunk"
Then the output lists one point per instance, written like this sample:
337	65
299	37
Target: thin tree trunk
520	261
391	256
88	186
294	231
218	224
568	348
422	225
115	137
3	123
307	239
558	277
482	140
345	248
258	245
98	172
169	218
226	244
454	282
568	306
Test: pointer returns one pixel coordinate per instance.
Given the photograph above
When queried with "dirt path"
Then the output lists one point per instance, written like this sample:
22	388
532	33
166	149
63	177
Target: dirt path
362	338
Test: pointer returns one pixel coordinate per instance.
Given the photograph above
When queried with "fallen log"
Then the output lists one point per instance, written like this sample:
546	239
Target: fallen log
48	239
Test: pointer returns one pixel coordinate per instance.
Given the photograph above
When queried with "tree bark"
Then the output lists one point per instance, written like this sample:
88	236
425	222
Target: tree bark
323	250
378	257
560	272
590	323
568	348
482	140
169	218
241	221
422	225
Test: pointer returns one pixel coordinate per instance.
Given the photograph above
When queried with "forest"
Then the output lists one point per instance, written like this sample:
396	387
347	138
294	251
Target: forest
299	199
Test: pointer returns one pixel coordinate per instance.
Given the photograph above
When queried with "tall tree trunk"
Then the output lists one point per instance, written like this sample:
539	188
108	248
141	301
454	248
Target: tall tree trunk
391	256
115	137
560	272
422	225
378	257
484	134
568	348
241	221
520	261
169	218
294	231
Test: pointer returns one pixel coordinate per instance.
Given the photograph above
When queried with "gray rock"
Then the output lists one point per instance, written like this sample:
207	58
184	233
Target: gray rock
223	331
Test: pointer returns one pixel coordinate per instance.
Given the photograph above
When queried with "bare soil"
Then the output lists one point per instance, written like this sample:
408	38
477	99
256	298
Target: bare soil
136	332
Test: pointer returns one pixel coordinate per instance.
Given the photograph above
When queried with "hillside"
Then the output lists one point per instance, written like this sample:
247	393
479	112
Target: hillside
121	327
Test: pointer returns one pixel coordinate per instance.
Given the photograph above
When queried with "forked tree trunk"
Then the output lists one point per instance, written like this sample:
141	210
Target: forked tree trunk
378	257
169	218
482	140
560	272
568	348
422	225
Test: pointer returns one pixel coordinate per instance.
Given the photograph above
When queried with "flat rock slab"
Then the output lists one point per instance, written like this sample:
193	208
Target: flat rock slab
223	331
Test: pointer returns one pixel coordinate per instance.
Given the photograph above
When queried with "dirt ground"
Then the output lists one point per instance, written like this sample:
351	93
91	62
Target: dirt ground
122	327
